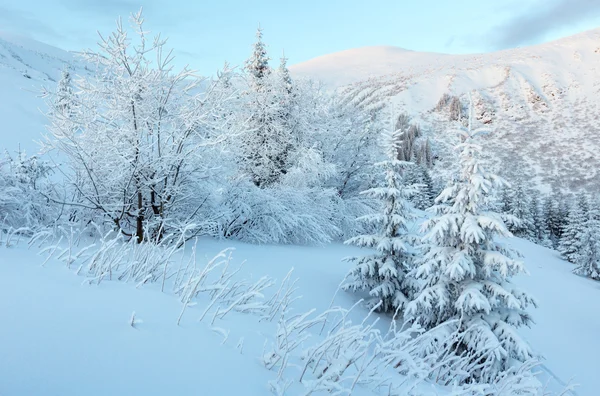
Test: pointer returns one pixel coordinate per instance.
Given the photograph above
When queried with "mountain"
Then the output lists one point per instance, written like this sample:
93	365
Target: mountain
541	102
26	66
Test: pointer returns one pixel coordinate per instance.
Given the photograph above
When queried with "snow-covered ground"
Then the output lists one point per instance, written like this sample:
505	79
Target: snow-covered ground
61	337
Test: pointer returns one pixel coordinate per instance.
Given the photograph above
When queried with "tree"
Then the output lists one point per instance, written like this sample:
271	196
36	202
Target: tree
265	146
570	244
383	274
418	177
555	211
588	260
137	141
466	271
540	228
284	75
257	66
519	208
64	100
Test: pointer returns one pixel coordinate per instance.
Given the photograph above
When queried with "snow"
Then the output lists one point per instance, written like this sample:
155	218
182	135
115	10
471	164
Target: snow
65	338
543	100
26	66
61	337
566	327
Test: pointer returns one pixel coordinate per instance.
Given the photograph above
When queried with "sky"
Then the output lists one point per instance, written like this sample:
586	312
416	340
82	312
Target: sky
205	33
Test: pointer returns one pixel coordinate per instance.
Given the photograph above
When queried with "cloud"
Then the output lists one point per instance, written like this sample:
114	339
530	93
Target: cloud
540	20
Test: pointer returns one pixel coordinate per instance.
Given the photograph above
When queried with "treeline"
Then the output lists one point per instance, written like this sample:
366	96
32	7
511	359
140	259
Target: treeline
567	223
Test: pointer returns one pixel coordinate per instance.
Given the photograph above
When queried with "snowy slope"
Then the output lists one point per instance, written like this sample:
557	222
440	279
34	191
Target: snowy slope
25	67
62	337
543	101
565	333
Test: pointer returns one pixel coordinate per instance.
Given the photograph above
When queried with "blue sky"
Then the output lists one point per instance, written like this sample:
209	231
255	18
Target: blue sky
206	33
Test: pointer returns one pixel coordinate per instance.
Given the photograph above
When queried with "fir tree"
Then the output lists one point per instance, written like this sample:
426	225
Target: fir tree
521	210
64	102
265	148
466	272
588	261
418	177
555	212
257	66
570	244
540	228
383	274
284	75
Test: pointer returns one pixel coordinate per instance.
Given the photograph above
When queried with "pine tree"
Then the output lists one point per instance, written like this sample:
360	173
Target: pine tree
64	101
466	272
521	210
383	274
570	244
555	212
284	75
588	261
506	198
257	66
265	147
540	228
419	178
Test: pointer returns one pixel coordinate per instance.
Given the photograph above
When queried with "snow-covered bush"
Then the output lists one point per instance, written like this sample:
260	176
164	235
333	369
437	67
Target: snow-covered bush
23	185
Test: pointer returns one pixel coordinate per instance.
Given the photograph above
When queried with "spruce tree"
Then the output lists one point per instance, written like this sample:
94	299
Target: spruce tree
540	228
466	272
521	210
257	66
570	244
588	261
64	102
265	148
284	75
383	273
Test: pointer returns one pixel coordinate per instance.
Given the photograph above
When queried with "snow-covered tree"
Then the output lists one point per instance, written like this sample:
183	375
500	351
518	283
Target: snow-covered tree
64	93
267	143
418	176
136	143
257	66
555	211
570	244
284	75
466	271
383	274
588	259
540	227
506	200
519	208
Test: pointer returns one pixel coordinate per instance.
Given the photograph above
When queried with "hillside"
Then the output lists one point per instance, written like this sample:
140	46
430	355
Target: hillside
542	101
25	67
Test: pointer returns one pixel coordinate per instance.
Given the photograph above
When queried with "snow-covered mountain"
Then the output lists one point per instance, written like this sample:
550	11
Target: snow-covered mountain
542	102
25	67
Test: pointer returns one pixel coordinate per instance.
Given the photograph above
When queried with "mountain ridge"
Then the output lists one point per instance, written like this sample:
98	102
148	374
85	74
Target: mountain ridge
541	102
